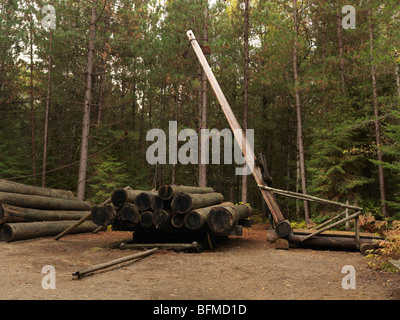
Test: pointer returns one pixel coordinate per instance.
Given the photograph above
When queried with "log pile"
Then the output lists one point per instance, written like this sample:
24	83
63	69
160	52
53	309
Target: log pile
28	212
171	212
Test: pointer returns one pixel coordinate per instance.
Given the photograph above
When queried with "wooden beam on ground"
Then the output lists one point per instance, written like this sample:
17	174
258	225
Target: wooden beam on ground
143	254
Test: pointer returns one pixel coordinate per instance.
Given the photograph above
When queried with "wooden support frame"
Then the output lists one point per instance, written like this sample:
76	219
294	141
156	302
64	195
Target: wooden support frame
353	216
326	225
239	135
291	194
330	220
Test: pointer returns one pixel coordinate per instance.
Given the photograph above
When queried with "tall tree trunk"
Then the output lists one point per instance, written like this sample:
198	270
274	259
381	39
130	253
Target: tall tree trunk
46	119
397	62
32	108
86	106
245	86
377	121
398	77
342	66
104	55
203	104
298	111
133	117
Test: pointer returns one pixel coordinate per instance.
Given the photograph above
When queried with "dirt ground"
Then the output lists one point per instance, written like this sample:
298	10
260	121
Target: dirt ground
244	268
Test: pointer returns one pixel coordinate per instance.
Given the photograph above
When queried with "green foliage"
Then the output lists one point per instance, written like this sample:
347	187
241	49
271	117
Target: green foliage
142	80
108	174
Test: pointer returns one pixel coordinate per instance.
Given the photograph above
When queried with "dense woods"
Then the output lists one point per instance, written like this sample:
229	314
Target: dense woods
322	95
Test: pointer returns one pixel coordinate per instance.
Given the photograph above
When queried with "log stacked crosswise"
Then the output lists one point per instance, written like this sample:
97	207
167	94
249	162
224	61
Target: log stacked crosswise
28	212
170	210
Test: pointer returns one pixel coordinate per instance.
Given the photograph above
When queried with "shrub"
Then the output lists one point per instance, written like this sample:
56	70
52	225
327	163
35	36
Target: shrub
389	248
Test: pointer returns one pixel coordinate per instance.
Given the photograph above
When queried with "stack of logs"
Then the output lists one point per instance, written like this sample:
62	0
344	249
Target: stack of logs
29	212
172	210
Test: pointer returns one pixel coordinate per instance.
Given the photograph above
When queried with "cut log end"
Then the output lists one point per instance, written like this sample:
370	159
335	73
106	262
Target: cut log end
221	220
156	202
5	233
161	219
181	203
143	201
103	215
367	248
128	215
283	228
178	220
165	192
193	220
146	219
119	197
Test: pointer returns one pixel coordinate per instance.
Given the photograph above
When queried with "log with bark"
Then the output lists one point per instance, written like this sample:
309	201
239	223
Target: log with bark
330	240
42	202
9	213
15	187
184	202
166	192
29	230
222	219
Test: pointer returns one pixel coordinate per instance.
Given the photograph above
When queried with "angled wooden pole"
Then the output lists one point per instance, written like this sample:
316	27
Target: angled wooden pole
239	136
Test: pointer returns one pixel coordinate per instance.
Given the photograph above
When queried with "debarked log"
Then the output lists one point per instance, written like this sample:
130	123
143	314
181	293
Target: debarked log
15	187
222	219
184	202
121	196
103	215
41	202
9	213
148	200
29	230
166	192
195	219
